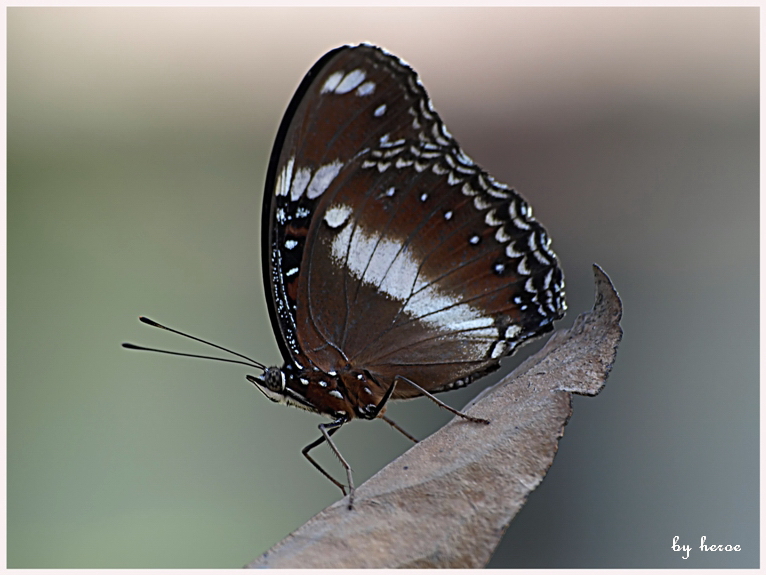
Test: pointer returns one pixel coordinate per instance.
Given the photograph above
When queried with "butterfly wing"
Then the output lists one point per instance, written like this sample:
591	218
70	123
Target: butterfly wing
392	251
320	133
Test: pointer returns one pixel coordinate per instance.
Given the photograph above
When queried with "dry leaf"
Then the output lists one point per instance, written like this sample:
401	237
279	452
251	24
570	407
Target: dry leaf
448	500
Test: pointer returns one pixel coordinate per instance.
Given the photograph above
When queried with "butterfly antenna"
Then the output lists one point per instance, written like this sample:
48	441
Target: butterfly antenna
147	321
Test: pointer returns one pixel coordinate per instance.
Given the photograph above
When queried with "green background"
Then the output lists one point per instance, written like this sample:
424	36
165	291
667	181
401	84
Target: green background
137	144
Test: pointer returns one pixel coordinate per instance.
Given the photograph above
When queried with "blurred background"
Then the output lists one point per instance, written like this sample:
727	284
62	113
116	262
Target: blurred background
137	146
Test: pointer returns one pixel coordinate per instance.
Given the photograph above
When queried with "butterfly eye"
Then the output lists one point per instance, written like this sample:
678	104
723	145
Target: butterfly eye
274	379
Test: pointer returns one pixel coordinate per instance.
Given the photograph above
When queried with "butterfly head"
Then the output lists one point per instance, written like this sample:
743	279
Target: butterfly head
273	384
272	381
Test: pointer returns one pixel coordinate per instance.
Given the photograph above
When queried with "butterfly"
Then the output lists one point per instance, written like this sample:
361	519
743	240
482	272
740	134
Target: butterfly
394	266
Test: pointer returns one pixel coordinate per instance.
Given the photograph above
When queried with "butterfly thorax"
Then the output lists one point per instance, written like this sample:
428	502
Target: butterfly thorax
347	392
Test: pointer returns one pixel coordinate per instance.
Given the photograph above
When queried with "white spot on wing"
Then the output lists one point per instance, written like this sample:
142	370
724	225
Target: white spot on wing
523	267
366	89
323	178
512	331
498	349
541	258
302	177
480	203
332	82
463	158
285	177
380	110
511	251
336	216
350	81
468	190
502	236
503	194
491	219
547	280
452	179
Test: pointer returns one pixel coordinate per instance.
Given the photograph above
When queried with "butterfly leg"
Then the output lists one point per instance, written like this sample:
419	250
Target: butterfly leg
373	413
399	429
438	402
327	430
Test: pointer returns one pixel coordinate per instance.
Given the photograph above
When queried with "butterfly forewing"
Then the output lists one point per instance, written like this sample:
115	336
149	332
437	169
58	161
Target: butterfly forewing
389	249
325	127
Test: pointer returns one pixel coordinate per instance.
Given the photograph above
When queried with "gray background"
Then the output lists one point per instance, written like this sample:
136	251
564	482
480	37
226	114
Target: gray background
137	144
